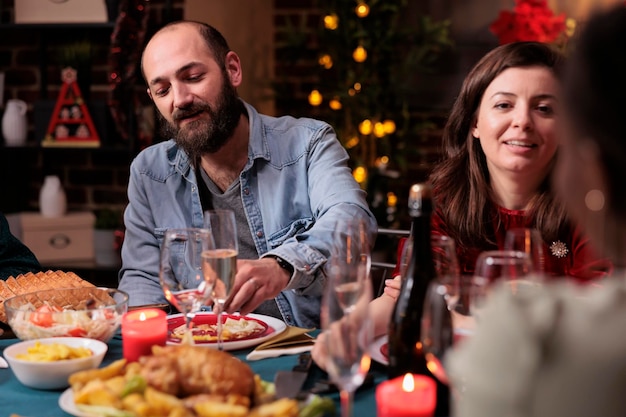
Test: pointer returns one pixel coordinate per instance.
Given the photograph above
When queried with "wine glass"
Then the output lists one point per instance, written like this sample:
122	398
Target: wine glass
512	269
180	272
219	262
446	265
447	323
442	292
529	241
350	261
348	335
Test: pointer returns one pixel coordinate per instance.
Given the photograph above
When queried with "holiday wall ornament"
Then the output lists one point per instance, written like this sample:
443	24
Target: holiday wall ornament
70	124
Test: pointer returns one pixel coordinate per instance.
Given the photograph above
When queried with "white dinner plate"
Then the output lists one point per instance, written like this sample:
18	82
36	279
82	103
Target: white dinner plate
375	350
274	327
66	402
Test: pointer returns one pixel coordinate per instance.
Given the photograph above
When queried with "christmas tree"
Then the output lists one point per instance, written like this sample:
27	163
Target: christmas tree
369	54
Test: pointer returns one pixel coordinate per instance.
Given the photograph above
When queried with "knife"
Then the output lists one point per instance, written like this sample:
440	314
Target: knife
289	384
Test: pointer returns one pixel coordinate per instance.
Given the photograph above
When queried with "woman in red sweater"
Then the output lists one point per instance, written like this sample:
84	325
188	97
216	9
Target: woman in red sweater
500	145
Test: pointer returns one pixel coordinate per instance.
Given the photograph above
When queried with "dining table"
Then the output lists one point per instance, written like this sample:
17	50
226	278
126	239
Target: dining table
19	400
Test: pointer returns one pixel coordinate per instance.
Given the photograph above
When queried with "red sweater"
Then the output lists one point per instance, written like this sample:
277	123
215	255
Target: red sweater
580	263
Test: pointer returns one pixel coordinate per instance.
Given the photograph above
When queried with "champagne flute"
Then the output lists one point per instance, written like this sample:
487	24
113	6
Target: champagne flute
180	272
349	332
350	261
529	241
219	262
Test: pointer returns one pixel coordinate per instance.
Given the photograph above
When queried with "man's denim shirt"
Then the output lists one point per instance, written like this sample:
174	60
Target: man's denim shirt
295	186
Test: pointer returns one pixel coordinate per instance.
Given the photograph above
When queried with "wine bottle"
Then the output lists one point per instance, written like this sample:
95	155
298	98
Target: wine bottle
405	348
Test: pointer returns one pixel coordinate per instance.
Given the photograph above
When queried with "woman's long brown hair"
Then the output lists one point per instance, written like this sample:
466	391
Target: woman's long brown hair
461	179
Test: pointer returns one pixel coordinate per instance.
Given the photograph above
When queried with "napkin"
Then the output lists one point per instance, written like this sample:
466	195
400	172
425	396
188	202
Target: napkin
289	342
3	363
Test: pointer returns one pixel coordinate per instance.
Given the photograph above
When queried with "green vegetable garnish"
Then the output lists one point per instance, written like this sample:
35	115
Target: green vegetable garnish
317	406
135	384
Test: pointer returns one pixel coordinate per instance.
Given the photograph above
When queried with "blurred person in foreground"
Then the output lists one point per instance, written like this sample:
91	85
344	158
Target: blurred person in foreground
15	257
560	350
286	179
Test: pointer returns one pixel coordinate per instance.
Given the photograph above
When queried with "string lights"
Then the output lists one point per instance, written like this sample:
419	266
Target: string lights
369	56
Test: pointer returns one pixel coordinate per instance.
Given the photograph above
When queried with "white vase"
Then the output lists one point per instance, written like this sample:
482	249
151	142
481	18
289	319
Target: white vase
52	200
14	123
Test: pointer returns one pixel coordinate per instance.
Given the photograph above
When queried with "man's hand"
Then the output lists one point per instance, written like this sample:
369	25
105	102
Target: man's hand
256	281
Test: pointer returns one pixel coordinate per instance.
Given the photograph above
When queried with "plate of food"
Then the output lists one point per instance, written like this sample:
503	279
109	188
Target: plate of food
379	350
239	332
167	383
67	404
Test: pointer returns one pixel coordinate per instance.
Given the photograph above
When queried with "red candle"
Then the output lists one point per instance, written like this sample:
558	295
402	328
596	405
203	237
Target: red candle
407	395
141	329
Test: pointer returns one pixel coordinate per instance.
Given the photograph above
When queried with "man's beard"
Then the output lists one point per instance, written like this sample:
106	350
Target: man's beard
205	136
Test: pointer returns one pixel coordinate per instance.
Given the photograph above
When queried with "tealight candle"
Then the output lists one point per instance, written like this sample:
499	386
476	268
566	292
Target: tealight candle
407	395
142	329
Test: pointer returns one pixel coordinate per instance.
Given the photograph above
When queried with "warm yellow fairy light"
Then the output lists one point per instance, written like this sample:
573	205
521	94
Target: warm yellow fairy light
389	126
357	86
360	174
365	127
570	27
392	199
352	142
359	54
335	104
351	92
326	61
379	130
362	10
315	98
381	161
331	21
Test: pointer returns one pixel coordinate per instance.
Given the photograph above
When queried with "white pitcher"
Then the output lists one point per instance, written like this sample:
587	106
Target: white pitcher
14	123
52	200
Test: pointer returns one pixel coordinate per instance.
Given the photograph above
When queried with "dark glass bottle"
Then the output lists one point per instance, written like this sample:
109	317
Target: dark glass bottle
405	348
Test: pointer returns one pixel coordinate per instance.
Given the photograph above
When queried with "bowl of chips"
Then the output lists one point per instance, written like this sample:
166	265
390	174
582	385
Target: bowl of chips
47	363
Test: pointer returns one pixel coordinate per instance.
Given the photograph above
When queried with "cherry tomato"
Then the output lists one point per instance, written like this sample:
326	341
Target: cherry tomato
42	317
77	332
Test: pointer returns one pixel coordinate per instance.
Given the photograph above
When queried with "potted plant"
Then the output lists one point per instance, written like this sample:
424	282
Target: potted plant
108	236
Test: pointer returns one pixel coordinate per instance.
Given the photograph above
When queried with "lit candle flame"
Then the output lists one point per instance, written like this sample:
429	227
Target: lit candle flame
408	383
142	316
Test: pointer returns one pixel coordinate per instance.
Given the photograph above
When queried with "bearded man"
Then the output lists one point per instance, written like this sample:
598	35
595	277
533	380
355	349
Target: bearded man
286	179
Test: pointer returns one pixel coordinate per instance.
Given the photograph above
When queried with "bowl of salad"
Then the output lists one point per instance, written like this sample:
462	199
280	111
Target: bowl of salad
91	312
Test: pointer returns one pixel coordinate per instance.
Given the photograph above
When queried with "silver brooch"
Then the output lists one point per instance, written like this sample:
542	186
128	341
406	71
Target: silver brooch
559	249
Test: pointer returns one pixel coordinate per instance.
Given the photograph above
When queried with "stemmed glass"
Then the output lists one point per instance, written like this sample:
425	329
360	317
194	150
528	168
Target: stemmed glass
443	292
529	241
512	267
219	262
350	261
446	265
349	332
180	272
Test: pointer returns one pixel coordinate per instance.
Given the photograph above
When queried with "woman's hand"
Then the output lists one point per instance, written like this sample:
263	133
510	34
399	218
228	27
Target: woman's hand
319	352
392	287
